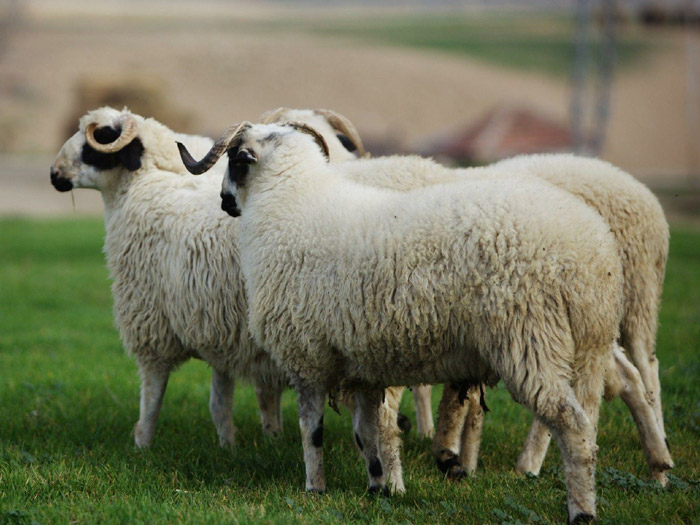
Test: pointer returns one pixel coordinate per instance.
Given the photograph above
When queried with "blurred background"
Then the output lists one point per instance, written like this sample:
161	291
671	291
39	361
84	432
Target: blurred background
468	82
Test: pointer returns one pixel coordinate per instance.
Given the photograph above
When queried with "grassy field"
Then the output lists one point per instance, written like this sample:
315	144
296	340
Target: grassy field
532	42
69	399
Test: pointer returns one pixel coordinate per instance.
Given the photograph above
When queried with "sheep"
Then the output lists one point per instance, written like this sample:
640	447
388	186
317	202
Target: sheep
638	223
329	123
172	298
641	231
360	287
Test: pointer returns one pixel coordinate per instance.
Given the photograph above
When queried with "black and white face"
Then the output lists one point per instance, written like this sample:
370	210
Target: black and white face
243	155
234	183
249	150
78	165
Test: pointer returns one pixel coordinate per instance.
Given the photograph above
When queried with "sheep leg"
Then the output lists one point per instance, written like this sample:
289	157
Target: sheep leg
656	389
535	448
472	431
648	367
424	412
366	425
154	380
626	382
270	403
638	337
311	402
390	440
575	434
450	423
221	407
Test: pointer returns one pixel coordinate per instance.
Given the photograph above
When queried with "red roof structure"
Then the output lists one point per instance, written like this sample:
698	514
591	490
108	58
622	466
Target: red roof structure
500	133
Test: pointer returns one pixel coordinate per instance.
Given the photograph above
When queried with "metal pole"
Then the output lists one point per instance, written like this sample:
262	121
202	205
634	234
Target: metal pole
579	74
605	78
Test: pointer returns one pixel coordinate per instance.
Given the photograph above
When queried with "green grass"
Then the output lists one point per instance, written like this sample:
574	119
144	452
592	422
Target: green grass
69	399
530	41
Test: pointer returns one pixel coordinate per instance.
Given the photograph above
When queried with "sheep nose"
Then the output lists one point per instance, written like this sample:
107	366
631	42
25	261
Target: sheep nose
228	204
59	181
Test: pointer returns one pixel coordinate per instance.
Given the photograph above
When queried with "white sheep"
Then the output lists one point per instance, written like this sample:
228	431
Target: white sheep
329	123
175	293
362	287
637	221
174	296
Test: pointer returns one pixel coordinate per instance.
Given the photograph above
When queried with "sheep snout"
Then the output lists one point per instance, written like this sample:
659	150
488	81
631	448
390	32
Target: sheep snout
60	182
229	205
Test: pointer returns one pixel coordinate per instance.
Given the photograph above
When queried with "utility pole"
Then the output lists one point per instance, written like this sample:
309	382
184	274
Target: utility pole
590	114
692	98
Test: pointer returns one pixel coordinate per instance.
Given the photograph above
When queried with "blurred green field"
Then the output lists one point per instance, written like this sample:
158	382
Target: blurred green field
69	399
537	41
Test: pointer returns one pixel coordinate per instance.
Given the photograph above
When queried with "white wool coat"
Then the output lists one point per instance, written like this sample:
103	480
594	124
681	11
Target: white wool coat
350	285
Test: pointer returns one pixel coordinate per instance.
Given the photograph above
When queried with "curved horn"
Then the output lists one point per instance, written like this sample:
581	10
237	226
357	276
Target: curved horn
343	124
128	133
272	115
214	154
305	128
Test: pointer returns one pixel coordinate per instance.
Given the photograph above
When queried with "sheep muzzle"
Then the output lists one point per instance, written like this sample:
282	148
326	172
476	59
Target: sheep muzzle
60	182
229	205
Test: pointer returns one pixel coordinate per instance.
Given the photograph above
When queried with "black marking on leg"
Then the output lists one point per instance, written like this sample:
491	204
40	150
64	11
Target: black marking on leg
584	518
359	442
462	395
403	422
445	465
317	435
482	398
375	467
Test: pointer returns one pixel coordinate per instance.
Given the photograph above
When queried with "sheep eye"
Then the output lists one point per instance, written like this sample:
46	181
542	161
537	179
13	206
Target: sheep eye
346	142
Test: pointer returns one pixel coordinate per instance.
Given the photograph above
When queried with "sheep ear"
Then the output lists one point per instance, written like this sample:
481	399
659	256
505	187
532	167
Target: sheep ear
130	155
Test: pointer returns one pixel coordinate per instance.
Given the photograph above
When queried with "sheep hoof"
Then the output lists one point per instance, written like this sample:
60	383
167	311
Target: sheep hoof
583	518
404	423
457	473
316	491
450	463
377	490
660	476
142	439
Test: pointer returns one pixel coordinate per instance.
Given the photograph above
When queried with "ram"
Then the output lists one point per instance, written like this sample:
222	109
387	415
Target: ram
360	287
